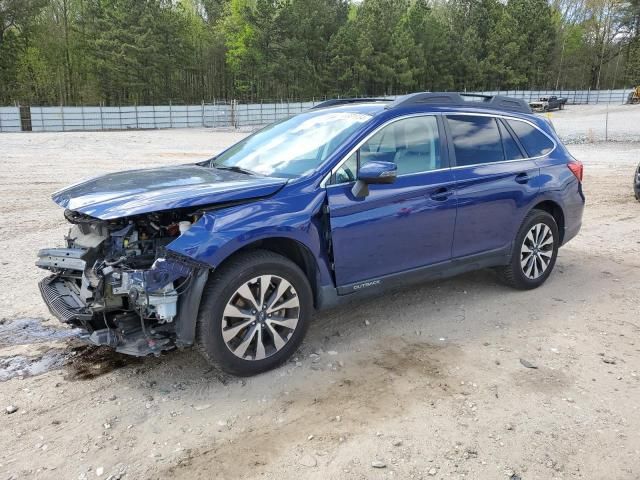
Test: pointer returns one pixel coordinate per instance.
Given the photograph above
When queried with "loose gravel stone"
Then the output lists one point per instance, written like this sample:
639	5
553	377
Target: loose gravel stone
308	461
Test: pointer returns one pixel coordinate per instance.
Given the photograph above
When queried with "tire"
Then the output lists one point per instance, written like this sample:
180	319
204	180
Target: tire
230	302
529	270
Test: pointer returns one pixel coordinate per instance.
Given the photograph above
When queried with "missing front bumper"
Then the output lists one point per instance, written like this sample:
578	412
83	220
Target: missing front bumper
63	301
137	312
124	332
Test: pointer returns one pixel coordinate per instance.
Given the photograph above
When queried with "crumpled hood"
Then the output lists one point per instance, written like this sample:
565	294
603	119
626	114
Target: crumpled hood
136	192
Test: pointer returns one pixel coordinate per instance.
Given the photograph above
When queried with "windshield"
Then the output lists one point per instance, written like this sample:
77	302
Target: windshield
293	147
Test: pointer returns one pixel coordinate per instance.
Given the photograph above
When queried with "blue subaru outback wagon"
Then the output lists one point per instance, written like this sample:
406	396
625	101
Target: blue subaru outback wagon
233	254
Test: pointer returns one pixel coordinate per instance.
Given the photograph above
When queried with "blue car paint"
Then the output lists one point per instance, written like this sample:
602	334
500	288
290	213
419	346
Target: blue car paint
295	216
375	171
135	192
560	186
397	228
491	204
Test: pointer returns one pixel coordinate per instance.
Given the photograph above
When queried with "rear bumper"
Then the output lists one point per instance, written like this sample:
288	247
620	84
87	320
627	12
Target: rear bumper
573	212
571	231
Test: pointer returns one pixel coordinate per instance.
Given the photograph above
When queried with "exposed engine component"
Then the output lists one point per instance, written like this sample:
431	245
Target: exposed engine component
114	279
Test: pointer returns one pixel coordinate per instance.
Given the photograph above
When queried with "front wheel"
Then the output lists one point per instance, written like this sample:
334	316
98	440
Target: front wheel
254	313
534	252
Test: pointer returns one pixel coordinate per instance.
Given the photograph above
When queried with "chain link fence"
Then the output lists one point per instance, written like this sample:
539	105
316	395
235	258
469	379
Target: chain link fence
218	114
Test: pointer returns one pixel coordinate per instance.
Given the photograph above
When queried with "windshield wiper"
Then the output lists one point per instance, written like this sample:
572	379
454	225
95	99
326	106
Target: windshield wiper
236	169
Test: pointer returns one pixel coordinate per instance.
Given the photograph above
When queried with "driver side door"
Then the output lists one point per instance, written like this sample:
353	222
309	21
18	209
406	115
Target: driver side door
400	226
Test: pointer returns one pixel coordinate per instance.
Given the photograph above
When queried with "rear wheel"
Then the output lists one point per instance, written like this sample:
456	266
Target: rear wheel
534	252
254	313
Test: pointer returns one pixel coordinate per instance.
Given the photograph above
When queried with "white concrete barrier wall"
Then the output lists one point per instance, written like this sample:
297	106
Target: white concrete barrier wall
574	97
10	119
265	113
52	119
237	115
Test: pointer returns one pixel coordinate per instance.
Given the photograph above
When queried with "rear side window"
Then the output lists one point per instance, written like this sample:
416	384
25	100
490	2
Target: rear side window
475	139
533	140
511	148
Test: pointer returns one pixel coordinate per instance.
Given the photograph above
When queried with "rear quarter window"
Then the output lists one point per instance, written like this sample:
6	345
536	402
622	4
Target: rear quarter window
533	140
511	149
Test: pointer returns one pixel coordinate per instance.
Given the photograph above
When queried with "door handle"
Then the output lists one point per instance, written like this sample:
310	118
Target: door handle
523	178
441	194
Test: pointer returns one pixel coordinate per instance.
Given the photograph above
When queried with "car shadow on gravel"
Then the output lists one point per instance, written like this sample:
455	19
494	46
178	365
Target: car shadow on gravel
413	307
86	362
336	327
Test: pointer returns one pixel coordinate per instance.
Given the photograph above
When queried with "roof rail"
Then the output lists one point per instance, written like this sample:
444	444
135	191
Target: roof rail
345	101
496	102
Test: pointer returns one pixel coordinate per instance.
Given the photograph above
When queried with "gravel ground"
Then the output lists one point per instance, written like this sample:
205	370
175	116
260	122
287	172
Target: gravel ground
424	383
596	123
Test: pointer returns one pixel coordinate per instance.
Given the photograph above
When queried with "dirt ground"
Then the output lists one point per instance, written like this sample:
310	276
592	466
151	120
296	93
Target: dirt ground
427	382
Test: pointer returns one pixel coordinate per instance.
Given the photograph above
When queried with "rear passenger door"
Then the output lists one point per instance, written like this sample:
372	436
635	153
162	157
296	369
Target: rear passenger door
495	183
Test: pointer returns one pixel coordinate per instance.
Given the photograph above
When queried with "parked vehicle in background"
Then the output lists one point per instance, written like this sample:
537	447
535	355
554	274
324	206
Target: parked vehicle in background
634	96
636	183
233	254
544	104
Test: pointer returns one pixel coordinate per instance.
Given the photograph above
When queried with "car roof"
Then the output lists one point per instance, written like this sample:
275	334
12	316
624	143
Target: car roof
377	108
384	110
368	108
430	101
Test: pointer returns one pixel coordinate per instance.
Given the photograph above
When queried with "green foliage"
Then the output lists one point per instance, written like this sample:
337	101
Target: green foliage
157	51
35	81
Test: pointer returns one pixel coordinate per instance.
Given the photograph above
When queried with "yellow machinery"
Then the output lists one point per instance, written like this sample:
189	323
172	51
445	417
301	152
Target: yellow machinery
634	96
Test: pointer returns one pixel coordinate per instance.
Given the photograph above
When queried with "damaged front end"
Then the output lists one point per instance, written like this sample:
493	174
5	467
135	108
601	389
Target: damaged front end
538	106
116	280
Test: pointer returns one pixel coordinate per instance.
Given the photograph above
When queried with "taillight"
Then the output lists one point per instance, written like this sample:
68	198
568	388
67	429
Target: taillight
576	168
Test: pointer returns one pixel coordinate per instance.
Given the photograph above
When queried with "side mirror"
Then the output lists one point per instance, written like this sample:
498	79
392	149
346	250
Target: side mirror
374	172
378	172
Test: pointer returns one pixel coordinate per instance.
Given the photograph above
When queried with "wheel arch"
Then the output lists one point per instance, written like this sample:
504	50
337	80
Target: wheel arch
292	249
555	210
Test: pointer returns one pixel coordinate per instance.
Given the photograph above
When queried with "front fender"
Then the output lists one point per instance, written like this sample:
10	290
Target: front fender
220	233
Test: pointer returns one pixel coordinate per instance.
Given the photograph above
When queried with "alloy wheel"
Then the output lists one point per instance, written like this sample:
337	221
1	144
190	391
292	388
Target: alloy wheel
537	251
260	317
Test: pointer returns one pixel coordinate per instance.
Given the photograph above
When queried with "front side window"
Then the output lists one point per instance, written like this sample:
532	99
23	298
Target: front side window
475	139
533	140
294	147
347	171
413	144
